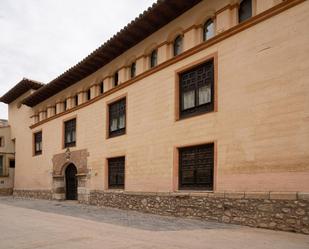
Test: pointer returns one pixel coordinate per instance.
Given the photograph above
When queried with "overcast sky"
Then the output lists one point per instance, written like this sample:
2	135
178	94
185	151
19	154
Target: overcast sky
40	39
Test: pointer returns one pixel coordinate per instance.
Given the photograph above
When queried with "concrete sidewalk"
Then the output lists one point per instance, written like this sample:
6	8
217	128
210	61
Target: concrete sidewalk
27	224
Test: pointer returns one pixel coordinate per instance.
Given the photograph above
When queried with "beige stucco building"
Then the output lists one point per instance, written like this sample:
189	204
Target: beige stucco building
193	100
7	159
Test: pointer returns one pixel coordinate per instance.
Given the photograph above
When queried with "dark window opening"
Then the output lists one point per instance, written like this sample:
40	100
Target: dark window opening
116	172
12	164
65	107
1	141
154	58
196	88
117	118
209	29
38	143
76	100
133	70
178	45
196	167
116	79
245	10
70	133
88	94
1	165
102	87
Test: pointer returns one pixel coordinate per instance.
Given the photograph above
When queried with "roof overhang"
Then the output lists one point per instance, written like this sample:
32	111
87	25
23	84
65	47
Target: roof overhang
19	89
158	15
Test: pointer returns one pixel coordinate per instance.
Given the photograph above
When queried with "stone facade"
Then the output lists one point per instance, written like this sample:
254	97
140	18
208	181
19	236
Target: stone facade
251	209
33	194
6	191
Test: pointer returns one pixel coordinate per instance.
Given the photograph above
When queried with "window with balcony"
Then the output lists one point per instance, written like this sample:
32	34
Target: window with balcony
117	118
70	133
196	90
196	167
116	173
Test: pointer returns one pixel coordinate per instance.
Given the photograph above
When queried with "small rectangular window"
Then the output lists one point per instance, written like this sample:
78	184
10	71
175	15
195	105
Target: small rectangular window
12	164
1	165
102	87
196	167
197	90
70	133
117	118
116	172
38	143
76	99
88	94
1	141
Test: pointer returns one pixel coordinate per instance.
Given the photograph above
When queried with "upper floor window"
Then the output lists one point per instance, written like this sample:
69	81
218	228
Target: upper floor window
154	58
102	87
117	118
70	133
196	89
209	29
88	93
116	172
196	167
76	99
178	42
133	70
38	143
1	165
116	79
1	141
65	106
245	10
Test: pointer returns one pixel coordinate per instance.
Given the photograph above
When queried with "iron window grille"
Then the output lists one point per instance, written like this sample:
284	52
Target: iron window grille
154	58
70	133
197	90
117	118
38	143
116	172
196	167
245	10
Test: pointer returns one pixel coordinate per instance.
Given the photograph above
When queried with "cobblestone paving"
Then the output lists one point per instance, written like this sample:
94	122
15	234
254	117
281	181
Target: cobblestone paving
27	224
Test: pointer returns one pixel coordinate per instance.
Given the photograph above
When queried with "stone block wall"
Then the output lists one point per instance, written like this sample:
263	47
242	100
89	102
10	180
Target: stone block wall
6	191
277	211
33	194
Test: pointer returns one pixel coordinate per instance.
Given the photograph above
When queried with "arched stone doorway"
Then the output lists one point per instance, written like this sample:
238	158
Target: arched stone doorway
71	182
71	176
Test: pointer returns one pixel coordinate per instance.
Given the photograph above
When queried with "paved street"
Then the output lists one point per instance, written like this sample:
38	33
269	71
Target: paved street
27	224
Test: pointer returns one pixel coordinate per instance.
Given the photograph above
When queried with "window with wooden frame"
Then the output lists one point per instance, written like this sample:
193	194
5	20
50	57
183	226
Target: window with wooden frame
117	118
178	45
1	165
133	70
38	143
196	90
196	167
208	30
245	10
116	173
154	58
70	133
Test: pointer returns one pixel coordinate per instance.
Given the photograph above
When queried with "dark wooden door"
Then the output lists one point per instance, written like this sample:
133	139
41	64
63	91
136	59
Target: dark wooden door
71	182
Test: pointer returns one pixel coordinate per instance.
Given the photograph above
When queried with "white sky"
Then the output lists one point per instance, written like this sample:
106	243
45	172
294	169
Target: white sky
41	39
